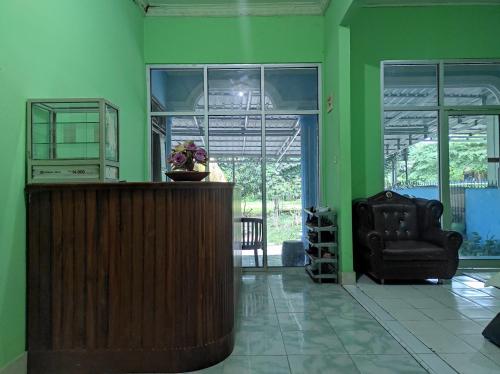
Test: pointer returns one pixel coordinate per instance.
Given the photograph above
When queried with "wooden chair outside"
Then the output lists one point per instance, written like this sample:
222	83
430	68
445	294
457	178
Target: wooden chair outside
252	236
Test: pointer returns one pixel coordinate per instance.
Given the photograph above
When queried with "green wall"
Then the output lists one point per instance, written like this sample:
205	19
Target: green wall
96	48
379	34
59	49
336	135
191	40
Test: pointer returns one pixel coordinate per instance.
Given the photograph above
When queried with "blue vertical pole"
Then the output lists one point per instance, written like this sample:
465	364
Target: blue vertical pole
168	139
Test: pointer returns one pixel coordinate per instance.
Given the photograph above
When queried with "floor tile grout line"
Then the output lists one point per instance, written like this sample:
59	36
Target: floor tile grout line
425	359
465	317
389	330
334	332
478	351
341	342
281	332
408	351
395	336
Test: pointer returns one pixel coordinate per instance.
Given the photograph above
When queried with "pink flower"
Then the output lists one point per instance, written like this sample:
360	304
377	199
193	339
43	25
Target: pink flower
191	146
178	159
200	155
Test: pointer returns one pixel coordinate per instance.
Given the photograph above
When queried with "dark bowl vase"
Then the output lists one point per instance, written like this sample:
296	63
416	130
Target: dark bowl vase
187	176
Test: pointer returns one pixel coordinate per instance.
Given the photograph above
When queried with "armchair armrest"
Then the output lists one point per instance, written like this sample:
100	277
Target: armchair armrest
372	240
450	240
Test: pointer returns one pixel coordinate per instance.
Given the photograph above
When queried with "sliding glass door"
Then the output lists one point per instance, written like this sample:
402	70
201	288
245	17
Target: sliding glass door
291	184
472	194
260	125
441	141
411	129
236	156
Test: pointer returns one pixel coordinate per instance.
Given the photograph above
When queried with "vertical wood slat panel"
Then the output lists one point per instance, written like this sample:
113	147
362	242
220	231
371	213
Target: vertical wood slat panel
190	291
229	239
114	289
80	270
68	246
198	290
175	323
149	270
206	275
171	292
176	264
46	290
34	323
220	261
220	278
116	256
126	268
160	268
91	271
137	268
57	269
103	269
219	264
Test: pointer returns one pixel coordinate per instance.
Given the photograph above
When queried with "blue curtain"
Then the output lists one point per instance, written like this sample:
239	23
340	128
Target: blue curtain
309	165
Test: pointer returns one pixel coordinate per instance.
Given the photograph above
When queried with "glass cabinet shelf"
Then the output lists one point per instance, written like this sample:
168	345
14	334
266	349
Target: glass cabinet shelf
65	123
72	140
67	143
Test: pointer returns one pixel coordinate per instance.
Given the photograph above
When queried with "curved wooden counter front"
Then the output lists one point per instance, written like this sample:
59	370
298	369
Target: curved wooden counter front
130	277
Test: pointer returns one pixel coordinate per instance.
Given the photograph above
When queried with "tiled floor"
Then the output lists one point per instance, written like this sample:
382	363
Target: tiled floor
248	260
439	324
288	324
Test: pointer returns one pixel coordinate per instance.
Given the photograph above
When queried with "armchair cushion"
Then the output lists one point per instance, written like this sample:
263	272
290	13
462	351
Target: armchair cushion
413	250
450	240
396	221
399	237
372	240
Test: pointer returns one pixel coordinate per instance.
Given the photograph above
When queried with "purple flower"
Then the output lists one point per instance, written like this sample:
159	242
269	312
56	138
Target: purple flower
200	155
178	159
191	146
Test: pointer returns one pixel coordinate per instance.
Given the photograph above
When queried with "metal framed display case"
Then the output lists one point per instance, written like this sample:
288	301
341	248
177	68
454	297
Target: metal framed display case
322	251
72	140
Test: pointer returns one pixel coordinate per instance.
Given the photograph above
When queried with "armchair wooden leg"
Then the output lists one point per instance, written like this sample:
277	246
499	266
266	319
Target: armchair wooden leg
382	282
256	256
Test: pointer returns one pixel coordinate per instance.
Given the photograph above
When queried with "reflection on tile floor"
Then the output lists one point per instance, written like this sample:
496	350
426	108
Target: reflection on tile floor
288	324
248	260
440	324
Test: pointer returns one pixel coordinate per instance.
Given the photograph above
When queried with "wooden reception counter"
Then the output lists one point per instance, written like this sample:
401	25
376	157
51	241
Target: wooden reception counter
131	277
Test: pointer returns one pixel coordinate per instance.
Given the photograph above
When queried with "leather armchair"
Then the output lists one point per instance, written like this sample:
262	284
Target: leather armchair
397	237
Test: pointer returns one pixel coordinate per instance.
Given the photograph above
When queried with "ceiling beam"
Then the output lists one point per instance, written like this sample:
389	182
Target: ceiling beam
289	141
423	3
142	4
180	8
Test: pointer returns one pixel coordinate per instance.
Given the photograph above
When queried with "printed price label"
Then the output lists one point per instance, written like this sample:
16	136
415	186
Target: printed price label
69	172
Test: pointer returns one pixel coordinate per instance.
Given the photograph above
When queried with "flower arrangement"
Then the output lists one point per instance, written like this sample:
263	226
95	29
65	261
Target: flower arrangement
185	155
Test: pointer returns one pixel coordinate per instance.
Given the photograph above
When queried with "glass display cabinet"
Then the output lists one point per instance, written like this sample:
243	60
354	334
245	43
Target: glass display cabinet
72	140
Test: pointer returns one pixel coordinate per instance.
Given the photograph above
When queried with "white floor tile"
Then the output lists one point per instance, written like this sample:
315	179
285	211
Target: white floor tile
368	328
463	326
472	363
435	364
